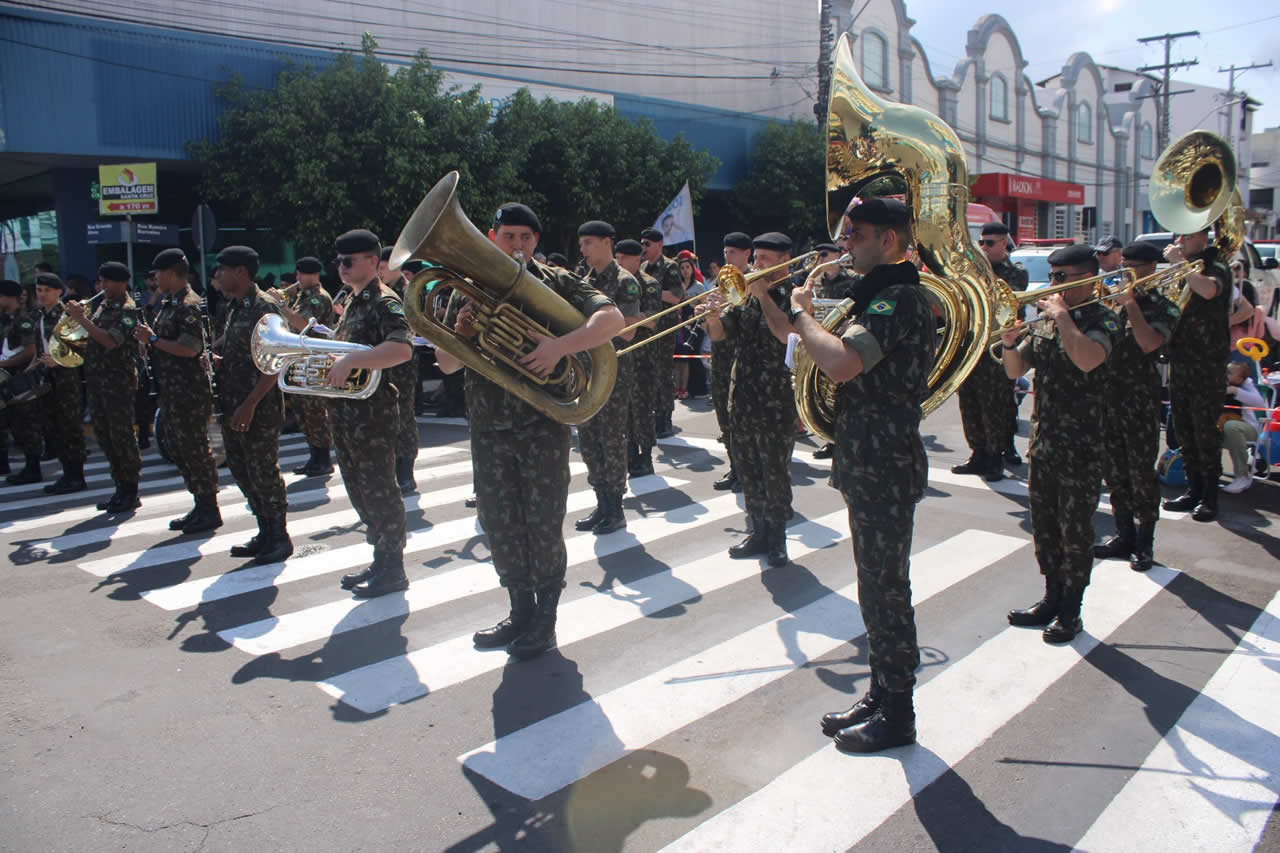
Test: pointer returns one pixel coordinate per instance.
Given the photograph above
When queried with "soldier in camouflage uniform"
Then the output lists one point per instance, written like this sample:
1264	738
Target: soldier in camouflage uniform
835	282
762	408
603	439
1131	417
111	375
405	378
1198	373
252	406
882	359
1066	437
310	302
186	401
737	252
366	447
521	457
640	411
987	409
24	418
667	273
18	333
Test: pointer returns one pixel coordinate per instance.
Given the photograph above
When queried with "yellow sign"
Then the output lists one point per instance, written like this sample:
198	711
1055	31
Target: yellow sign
127	189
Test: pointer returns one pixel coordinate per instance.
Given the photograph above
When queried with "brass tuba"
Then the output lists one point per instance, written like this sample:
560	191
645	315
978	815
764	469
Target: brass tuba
511	307
302	363
69	340
868	141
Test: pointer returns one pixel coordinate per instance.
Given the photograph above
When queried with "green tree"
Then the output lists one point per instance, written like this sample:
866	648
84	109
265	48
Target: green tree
783	187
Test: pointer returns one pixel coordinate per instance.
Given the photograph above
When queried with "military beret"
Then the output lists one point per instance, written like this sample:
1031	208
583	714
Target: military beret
309	264
413	266
994	229
238	256
48	279
357	242
514	214
881	212
826	247
113	271
556	259
652	235
385	254
628	247
737	240
773	240
1070	256
596	228
10	288
168	259
1108	244
1142	251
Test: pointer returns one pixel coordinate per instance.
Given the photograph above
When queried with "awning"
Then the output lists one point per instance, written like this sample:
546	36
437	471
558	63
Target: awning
1005	185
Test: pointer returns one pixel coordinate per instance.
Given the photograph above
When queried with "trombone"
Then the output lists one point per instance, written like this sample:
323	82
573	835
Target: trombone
1010	302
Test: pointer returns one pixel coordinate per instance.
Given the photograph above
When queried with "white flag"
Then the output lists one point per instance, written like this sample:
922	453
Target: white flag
676	222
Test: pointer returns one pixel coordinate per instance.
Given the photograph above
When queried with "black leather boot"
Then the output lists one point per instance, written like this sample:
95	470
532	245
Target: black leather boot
390	579
279	546
125	499
664	428
318	465
1067	624
992	467
855	713
633	457
404	476
587	522
727	483
206	515
893	723
516	623
353	579
1144	549
30	473
1011	455
613	518
975	464
756	543
254	545
72	480
776	531
109	502
1121	545
644	462
1207	509
1043	611
181	521
1189	499
825	451
541	634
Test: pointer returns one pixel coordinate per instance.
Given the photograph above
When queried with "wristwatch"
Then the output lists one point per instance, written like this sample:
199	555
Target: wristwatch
154	338
792	313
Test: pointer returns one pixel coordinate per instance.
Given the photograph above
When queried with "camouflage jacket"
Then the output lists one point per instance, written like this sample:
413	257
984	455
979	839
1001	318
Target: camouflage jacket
1014	275
760	395
650	301
373	316
489	407
119	365
313	302
838	287
667	274
1132	374
237	374
19	332
179	319
620	286
879	456
1203	332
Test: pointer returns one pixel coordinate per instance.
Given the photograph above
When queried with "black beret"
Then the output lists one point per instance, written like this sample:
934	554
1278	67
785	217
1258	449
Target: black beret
628	247
289	277
514	214
413	266
238	256
309	264
168	259
596	228
10	288
651	234
994	229
774	240
881	212
737	240
357	242
558	260
113	271
1108	244
826	247
1148	253
385	254
1070	256
48	279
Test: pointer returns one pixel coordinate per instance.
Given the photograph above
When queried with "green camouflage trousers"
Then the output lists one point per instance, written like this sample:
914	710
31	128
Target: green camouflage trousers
1195	396
1064	496
1131	444
987	410
881	535
603	439
366	451
253	457
113	422
721	368
643	397
186	435
762	460
404	377
313	419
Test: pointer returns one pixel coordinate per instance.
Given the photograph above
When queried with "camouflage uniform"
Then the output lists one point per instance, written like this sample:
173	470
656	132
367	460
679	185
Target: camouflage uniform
405	378
112	379
667	273
723	354
988	412
64	406
312	414
366	447
252	455
762	411
646	369
1065	450
838	287
520	462
1198	372
603	439
22	418
186	401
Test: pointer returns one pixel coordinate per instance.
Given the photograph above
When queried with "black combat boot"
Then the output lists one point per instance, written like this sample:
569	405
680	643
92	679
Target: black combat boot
1067	624
254	545
587	522
181	521
391	578
855	713
516	623
1189	499
541	634
893	723
29	474
727	483
663	427
353	579
72	480
205	516
1145	548
825	451
1122	544
613	518
125	499
109	502
404	476
278	547
975	464
1011	456
992	467
1207	509
318	465
776	531
1043	611
4	460
644	462
633	457
756	543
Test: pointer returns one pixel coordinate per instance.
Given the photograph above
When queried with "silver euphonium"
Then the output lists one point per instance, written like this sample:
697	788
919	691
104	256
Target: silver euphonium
303	363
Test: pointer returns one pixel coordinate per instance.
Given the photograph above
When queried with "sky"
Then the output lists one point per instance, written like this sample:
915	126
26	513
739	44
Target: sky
1238	32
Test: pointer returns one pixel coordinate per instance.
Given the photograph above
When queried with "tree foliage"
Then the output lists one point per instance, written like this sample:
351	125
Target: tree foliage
783	187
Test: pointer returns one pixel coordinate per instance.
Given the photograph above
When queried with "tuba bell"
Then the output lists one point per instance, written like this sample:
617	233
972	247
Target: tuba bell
873	142
302	363
511	305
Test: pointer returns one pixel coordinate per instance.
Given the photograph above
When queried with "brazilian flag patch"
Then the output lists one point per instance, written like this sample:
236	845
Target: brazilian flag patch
395	308
126	320
883	307
191	320
1110	325
1173	310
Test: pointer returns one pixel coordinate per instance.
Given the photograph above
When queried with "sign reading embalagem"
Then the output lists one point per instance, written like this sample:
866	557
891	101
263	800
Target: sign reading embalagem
127	189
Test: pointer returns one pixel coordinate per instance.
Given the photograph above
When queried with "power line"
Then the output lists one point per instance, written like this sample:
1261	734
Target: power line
1168	39
1231	97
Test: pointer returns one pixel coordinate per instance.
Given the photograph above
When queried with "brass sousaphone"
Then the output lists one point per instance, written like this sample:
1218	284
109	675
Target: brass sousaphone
511	306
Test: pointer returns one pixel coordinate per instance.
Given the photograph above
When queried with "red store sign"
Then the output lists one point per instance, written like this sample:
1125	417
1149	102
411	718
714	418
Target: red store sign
1003	185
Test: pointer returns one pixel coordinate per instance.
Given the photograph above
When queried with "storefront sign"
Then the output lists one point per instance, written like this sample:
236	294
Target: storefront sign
128	189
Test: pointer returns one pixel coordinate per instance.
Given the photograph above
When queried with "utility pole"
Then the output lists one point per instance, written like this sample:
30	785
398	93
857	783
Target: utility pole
1168	39
826	39
1232	133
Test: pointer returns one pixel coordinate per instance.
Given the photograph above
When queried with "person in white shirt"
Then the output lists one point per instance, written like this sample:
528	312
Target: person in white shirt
1237	433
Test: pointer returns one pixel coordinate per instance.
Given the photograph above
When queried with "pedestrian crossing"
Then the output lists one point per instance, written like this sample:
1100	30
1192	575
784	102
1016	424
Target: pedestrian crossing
660	635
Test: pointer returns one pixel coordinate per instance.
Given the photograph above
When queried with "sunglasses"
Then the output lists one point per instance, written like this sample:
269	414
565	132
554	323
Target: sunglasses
646	243
991	242
1059	276
347	261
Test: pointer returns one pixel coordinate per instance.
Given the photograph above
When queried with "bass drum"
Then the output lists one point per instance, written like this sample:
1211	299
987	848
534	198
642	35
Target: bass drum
215	440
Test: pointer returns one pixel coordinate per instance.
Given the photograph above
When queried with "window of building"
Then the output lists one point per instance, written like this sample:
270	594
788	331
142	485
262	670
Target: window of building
999	92
1123	87
1146	141
875	60
1084	123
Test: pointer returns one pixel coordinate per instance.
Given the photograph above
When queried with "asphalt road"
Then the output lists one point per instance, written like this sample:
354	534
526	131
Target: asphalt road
156	695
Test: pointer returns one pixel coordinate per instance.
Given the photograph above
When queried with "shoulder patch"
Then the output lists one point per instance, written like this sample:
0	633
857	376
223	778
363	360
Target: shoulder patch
25	324
1110	325
191	319
315	300
126	320
395	307
883	307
